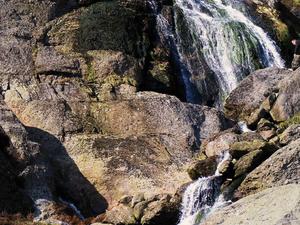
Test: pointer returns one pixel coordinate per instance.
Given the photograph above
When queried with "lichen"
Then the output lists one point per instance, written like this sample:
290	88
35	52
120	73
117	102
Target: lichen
294	120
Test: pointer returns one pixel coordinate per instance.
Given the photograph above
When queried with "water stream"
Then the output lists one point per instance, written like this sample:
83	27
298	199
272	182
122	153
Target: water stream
202	196
227	40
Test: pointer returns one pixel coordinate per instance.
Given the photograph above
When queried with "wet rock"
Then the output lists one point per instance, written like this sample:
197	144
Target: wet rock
271	206
203	168
279	169
225	167
163	211
249	162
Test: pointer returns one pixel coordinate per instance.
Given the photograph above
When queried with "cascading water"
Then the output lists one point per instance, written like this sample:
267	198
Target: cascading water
231	45
201	196
167	37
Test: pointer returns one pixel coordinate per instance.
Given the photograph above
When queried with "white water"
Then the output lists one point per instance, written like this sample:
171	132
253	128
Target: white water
230	43
243	127
201	197
72	206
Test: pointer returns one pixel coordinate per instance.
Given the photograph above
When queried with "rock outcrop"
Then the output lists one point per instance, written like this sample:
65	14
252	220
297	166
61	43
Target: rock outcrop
272	206
283	167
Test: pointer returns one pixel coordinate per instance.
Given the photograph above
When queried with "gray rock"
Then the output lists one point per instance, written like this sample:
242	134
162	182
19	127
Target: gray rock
49	61
218	144
137	198
120	215
290	134
287	103
252	91
283	167
273	206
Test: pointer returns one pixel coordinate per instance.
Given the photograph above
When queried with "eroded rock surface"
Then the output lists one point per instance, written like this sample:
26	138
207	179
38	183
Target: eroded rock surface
279	205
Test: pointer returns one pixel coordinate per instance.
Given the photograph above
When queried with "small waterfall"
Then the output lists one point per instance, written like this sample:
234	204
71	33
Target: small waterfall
243	127
201	196
224	38
168	38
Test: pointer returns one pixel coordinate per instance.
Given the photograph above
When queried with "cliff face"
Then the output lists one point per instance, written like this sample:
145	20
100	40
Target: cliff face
70	72
89	117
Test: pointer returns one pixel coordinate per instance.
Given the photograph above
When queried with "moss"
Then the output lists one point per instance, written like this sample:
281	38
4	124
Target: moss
199	217
160	72
91	73
280	28
294	120
111	26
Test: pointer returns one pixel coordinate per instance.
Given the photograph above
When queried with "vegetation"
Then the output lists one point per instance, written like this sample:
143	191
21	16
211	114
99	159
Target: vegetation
294	120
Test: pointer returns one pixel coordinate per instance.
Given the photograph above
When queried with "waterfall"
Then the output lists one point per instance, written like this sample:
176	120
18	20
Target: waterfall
225	39
200	196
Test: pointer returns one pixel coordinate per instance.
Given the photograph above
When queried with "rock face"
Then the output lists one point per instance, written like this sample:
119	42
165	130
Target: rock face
13	199
283	167
275	96
287	103
81	125
247	98
71	72
272	206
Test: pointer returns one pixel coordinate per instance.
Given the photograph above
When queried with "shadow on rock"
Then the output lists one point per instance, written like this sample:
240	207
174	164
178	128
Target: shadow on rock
69	183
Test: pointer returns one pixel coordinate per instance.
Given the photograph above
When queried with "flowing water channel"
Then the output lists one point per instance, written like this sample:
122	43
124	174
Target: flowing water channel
202	196
224	38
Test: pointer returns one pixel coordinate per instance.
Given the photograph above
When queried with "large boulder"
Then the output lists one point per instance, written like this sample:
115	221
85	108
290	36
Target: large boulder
283	167
252	91
150	113
278	205
290	134
287	103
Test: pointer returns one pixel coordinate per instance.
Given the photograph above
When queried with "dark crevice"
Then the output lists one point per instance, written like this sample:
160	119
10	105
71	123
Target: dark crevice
61	74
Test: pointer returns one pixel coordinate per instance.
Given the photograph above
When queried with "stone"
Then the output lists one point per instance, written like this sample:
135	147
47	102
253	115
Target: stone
203	168
49	61
249	162
240	148
268	134
225	167
251	93
283	167
120	215
161	212
139	208
126	199
278	205
137	198
12	198
220	143
290	134
287	103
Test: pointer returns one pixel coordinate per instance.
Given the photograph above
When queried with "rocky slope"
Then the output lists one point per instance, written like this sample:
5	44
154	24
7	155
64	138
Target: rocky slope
89	120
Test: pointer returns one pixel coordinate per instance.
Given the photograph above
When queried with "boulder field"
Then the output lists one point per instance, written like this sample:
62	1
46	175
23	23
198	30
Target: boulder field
94	128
